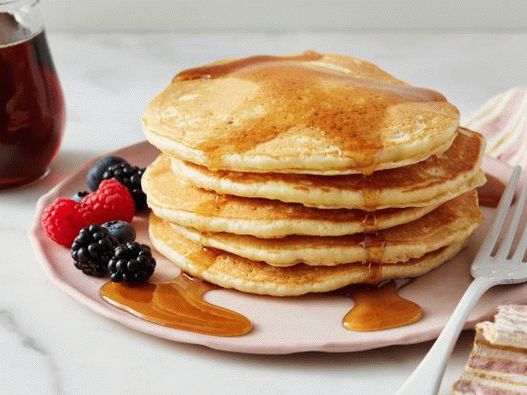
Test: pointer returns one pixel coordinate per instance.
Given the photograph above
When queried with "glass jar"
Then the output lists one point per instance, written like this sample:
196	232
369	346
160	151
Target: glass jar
31	101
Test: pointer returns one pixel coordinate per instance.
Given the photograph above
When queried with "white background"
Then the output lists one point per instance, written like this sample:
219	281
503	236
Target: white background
113	57
285	15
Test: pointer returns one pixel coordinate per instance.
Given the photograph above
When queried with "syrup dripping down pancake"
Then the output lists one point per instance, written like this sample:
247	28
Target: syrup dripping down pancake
450	223
177	200
231	271
433	181
311	114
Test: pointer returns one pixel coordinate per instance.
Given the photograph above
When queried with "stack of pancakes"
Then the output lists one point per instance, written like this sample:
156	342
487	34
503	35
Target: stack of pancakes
289	175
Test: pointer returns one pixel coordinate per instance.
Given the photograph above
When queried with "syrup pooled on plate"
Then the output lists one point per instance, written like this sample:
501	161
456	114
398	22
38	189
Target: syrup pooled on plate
378	308
177	304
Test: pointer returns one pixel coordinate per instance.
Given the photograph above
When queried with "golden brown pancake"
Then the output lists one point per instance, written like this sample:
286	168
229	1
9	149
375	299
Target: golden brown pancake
312	114
296	174
231	271
433	181
450	223
177	200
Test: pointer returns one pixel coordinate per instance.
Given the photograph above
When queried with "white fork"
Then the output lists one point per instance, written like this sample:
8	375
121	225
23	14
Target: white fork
493	265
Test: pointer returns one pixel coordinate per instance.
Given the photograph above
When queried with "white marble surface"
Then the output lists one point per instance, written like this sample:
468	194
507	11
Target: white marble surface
51	345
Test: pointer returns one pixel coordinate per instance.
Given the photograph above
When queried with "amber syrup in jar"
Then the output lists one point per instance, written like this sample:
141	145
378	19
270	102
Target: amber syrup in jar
31	109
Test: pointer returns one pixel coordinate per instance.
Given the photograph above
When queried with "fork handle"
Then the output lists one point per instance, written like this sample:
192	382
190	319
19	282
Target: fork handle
426	378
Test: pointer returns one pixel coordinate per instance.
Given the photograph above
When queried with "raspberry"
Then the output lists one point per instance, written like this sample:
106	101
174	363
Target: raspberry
130	176
62	220
111	201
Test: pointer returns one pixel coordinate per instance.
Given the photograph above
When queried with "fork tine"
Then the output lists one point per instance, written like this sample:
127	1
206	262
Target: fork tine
508	238
522	247
503	207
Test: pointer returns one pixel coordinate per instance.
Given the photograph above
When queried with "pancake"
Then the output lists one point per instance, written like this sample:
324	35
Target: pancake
231	271
430	182
177	200
310	114
448	224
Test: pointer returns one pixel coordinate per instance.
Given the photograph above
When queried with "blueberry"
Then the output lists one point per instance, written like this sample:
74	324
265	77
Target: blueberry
122	231
94	176
77	196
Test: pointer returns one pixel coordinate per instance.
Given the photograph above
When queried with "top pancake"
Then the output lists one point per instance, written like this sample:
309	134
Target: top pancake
312	114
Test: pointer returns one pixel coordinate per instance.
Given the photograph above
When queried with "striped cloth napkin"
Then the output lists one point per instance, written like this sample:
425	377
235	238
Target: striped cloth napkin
498	362
503	122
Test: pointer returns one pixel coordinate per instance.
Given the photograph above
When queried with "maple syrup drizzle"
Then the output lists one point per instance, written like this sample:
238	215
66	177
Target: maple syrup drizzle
177	303
370	222
370	196
407	92
212	206
378	308
489	194
375	273
374	244
371	192
220	69
301	86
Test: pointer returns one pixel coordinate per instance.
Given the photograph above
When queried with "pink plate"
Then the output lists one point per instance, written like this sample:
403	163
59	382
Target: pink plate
281	325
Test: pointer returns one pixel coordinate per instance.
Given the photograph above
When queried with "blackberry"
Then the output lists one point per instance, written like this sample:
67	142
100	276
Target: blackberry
94	176
92	249
131	263
78	196
121	230
130	176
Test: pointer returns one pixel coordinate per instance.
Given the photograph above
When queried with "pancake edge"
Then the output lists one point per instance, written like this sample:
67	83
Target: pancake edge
335	198
275	228
330	255
331	284
322	164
